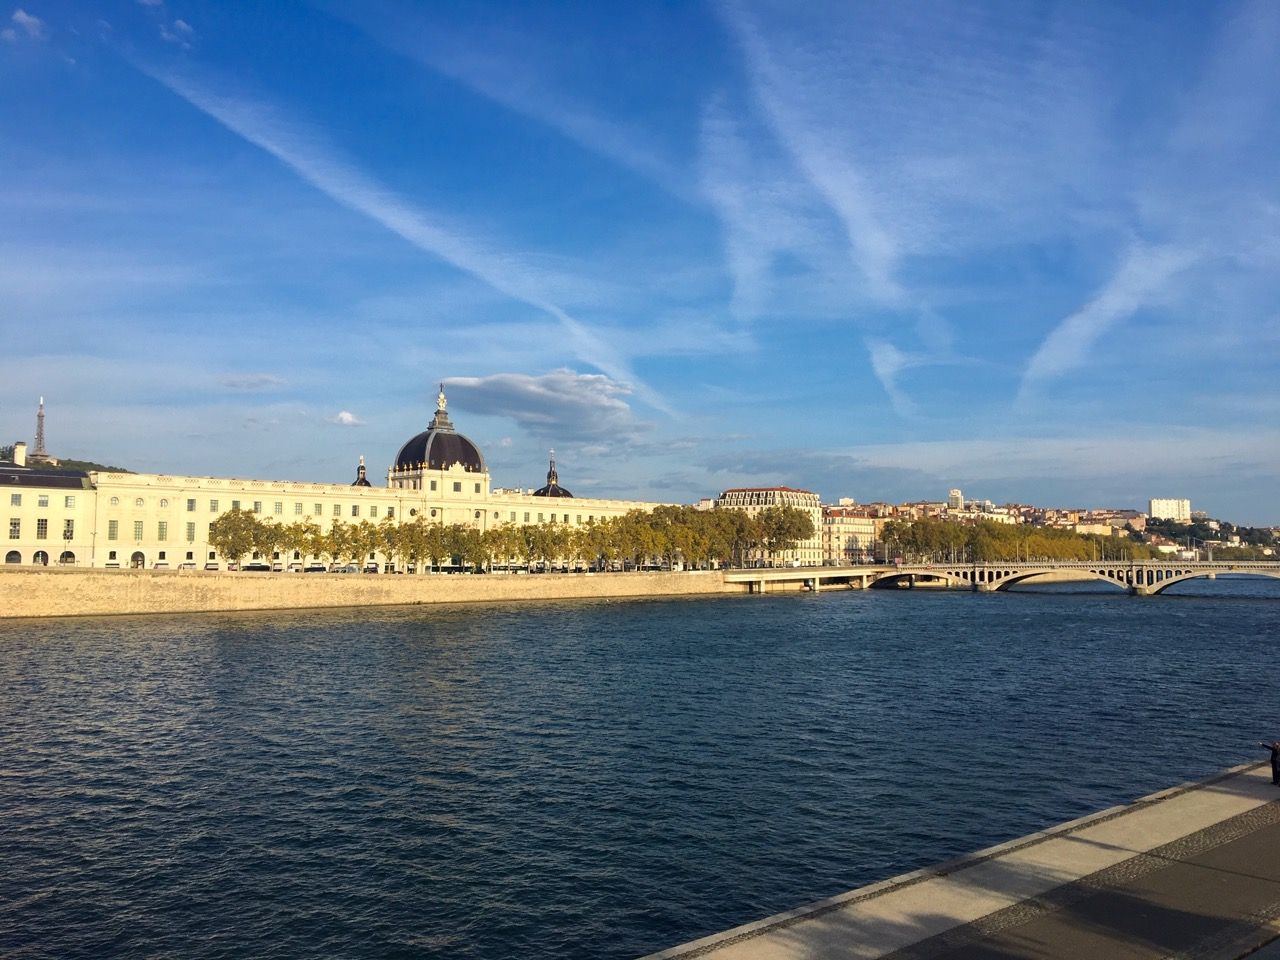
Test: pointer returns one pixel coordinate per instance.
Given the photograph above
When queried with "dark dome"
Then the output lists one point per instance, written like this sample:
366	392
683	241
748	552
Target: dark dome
439	450
553	488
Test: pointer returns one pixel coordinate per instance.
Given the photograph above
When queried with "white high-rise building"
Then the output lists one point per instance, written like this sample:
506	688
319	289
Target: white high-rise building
955	499
1167	509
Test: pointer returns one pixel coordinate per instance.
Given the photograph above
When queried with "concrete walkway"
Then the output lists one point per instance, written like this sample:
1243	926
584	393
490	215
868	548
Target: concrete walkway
1191	872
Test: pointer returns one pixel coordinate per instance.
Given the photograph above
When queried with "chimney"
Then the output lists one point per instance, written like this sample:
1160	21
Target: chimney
20	454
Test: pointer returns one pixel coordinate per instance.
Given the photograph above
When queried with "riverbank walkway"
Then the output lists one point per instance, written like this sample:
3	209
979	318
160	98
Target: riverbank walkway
1191	872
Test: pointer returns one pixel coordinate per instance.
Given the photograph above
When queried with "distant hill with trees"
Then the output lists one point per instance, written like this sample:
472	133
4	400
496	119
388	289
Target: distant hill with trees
66	466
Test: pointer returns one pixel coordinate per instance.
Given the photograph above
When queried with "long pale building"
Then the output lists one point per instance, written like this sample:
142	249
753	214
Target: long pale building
157	520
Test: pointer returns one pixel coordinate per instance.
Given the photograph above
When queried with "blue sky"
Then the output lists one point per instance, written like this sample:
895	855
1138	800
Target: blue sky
875	250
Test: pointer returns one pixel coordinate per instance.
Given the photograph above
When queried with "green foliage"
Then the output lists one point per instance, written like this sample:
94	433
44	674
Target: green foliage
84	466
669	536
233	534
939	540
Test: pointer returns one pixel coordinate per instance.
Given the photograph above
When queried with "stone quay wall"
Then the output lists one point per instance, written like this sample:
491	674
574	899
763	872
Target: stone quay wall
49	592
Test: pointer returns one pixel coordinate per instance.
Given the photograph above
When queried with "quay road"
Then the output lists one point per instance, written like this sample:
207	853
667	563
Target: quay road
1192	872
1141	577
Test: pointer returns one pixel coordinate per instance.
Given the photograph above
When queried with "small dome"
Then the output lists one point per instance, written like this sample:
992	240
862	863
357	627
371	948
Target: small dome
439	447
553	488
361	479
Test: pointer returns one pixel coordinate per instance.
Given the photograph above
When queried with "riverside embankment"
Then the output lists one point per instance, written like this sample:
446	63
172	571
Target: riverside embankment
48	592
1188	872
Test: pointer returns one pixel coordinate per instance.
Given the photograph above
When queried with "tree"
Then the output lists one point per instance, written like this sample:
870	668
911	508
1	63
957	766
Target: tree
232	534
366	538
784	527
392	540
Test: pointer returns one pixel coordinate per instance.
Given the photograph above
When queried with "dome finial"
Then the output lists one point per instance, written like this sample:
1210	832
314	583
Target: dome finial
442	404
552	479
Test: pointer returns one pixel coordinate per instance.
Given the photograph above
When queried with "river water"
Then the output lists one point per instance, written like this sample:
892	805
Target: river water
579	780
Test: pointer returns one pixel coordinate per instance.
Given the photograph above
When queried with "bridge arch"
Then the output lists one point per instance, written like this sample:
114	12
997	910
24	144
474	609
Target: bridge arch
887	577
1112	576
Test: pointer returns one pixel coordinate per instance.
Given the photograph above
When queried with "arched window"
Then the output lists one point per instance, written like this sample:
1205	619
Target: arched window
13	556
164	503
138	502
67	557
115	501
137	561
41	558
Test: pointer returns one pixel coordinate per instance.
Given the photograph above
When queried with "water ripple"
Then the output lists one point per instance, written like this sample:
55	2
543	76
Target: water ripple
576	780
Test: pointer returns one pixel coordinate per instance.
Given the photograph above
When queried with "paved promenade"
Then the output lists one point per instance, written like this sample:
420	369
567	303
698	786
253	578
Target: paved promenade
1191	872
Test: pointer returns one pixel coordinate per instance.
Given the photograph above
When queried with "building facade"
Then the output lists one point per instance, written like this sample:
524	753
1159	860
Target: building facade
1168	509
752	500
141	520
849	534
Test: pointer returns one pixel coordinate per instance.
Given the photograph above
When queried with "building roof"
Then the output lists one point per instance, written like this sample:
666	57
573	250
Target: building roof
12	475
767	489
553	488
440	446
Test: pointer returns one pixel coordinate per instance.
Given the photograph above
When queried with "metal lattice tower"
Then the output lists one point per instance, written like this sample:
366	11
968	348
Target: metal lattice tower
40	451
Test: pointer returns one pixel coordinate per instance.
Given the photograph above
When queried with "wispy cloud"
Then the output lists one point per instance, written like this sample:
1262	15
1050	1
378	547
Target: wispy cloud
179	32
500	71
345	418
887	362
252	382
760	209
1142	275
318	165
26	26
562	406
828	166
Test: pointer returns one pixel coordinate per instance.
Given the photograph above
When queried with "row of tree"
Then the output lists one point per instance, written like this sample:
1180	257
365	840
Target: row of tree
940	540
665	536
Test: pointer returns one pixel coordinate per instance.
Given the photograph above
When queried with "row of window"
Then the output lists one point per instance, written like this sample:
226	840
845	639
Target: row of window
162	526
42	529
417	485
42	500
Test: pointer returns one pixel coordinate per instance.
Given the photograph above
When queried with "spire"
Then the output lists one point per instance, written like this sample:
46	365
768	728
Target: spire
552	479
40	451
442	421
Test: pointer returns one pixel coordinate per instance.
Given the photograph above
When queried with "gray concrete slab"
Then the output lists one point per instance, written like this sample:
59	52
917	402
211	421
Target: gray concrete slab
1193	871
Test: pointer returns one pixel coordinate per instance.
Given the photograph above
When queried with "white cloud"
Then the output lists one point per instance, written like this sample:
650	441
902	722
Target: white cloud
179	32
345	418
887	362
562	406
25	26
1141	275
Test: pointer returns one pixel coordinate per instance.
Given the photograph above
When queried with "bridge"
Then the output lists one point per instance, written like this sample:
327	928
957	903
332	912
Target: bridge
1139	577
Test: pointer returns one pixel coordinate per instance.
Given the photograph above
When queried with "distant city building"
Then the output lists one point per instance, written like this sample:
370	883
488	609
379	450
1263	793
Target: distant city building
849	533
752	500
955	499
1167	509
